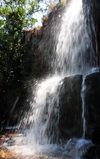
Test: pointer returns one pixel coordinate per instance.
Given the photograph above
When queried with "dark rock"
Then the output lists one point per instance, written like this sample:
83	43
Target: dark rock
70	117
92	153
92	105
96	18
88	8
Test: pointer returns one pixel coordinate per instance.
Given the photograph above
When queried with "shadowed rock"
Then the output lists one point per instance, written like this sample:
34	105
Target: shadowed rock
70	119
92	104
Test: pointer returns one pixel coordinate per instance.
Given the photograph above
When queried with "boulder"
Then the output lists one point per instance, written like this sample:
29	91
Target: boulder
70	114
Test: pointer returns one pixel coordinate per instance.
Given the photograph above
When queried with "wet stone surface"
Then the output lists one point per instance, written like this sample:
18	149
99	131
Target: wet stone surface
70	116
92	104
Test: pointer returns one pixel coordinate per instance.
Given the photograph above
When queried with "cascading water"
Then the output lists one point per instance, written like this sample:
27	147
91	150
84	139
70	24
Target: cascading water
83	105
74	55
45	112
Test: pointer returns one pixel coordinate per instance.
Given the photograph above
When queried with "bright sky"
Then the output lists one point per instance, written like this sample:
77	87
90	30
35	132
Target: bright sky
44	5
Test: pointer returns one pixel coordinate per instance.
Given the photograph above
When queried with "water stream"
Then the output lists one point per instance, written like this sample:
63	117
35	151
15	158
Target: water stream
83	105
93	70
74	55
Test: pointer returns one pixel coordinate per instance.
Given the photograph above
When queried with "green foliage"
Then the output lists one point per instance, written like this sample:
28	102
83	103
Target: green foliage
15	17
63	2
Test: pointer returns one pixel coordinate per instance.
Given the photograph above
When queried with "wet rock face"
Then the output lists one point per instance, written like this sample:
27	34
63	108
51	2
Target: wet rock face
96	16
70	119
92	105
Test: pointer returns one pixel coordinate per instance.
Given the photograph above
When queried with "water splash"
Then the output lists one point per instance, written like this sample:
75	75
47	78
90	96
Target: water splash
73	148
44	112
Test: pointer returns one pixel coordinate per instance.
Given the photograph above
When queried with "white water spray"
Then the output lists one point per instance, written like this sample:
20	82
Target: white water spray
45	114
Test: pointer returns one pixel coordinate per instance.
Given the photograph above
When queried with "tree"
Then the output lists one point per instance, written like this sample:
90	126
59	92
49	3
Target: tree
15	17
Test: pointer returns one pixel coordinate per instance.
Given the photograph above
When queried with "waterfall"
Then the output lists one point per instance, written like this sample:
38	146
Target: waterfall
74	55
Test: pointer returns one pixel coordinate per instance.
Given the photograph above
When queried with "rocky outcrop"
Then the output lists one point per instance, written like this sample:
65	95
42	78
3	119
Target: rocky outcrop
92	114
92	106
70	116
41	42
